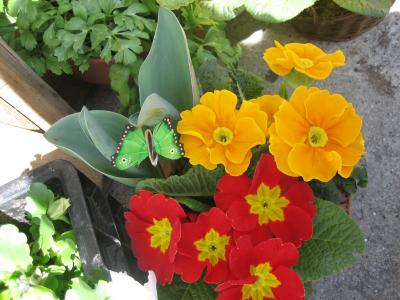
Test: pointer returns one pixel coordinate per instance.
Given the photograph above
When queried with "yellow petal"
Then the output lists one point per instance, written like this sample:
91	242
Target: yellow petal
278	61
320	71
351	154
253	110
197	152
246	136
345	172
280	151
199	122
323	109
291	127
238	169
337	58
347	129
223	104
217	154
269	104
314	163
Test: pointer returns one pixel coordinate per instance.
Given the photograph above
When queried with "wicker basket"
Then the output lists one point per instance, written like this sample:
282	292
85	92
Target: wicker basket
341	27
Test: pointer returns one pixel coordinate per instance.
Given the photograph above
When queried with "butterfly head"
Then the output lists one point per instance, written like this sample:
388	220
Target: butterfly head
121	162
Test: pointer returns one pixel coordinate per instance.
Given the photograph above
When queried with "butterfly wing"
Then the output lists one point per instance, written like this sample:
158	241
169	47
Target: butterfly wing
132	149
166	141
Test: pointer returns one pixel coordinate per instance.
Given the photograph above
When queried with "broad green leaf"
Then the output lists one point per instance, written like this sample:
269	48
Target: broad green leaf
80	290
197	182
336	238
372	8
38	200
46	232
58	209
67	135
14	250
193	204
66	250
154	109
27	39
276	11
108	6
75	24
38	292
136	8
180	290
49	37
98	33
223	9
169	53
174	4
119	76
79	10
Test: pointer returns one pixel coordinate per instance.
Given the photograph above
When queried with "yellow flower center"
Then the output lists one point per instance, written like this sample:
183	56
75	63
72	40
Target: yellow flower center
262	288
223	135
317	137
307	63
160	231
212	247
267	204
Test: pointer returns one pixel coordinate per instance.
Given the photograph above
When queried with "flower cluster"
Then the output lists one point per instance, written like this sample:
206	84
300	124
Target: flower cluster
246	244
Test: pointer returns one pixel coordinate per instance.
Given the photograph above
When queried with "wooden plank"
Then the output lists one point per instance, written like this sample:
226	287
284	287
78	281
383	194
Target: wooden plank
27	92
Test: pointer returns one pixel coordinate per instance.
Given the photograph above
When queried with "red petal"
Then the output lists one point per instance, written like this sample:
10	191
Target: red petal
296	227
257	235
231	189
286	182
240	216
266	172
241	258
190	233
231	294
190	269
175	238
218	273
216	219
291	287
301	195
232	283
276	253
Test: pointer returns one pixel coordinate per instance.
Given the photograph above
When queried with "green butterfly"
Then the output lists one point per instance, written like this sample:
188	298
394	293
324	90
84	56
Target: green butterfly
136	145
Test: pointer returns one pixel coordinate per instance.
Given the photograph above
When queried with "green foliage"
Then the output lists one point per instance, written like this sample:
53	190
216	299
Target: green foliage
180	290
249	85
93	137
223	9
51	34
80	290
197	182
174	4
296	79
336	238
193	204
372	8
43	267
169	51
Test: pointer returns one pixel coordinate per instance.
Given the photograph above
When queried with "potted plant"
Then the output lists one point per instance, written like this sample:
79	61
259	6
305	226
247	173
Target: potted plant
228	200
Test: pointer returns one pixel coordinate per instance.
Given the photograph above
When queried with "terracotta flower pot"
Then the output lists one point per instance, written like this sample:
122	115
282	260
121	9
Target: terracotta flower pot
97	72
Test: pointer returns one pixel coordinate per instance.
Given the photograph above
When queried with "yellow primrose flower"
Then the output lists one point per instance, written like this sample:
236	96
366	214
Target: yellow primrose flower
214	132
270	105
307	59
316	134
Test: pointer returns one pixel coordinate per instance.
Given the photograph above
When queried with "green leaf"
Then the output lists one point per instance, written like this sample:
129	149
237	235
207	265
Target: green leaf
66	250
14	250
193	204
106	52
79	10
371	8
98	33
38	200
326	190
174	4
75	24
296	79
49	37
309	290
250	85
80	290
58	209
136	8
154	109
46	231
108	6
27	39
283	92
223	10
213	76
68	135
180	290
336	238
39	292
169	52
119	76
197	182
276	11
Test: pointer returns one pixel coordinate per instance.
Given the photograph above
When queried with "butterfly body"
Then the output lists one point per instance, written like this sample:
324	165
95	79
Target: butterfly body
136	145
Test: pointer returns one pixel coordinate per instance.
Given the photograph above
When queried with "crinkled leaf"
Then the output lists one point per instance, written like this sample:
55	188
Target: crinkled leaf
58	209
249	84
197	182
193	204
14	250
223	9
336	238
154	109
213	76
174	4
372	8
169	51
68	135
180	290
38	200
276	11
